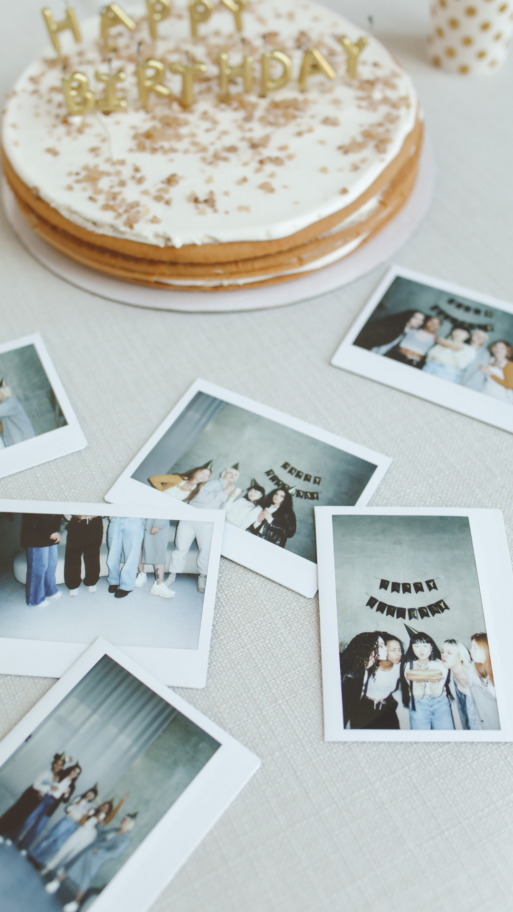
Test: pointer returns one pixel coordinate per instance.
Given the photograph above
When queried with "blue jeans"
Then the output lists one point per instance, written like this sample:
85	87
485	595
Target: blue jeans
41	567
37	821
444	371
56	838
124	538
432	713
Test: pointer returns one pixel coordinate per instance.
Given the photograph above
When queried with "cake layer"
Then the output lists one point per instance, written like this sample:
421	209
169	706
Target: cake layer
219	182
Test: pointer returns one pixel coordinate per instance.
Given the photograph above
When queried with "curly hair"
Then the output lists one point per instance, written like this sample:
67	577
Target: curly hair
357	654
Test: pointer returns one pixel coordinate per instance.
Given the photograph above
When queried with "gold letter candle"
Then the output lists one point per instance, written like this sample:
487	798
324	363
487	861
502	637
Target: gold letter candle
153	82
314	62
113	15
188	73
267	83
236	7
470	36
70	22
77	95
199	11
110	100
353	51
226	73
158	10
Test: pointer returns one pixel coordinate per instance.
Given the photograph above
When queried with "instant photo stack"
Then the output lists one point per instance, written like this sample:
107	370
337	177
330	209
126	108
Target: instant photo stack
109	784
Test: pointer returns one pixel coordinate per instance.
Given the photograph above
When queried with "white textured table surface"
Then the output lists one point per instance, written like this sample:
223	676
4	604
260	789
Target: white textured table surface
373	828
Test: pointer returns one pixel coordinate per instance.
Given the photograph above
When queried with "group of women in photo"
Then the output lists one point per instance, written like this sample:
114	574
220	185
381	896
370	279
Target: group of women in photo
465	356
80	843
269	516
440	688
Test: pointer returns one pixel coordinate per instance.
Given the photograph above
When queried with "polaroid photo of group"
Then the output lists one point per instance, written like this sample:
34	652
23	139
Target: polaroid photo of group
438	341
264	470
106	788
70	572
416	624
37	422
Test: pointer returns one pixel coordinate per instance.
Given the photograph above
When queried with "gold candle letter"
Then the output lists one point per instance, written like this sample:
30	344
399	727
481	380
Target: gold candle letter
154	82
77	95
267	83
113	15
187	73
353	52
236	7
110	100
70	22
314	62
158	10
226	72
199	11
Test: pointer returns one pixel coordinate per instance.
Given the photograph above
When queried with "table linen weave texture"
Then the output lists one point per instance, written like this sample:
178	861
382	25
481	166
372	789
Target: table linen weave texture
367	827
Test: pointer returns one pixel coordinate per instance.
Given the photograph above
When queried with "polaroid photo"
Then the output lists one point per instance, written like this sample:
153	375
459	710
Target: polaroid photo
70	572
416	624
264	470
438	341
106	788
37	422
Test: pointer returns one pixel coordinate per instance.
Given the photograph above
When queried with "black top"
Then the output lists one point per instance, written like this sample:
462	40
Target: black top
282	527
36	529
384	331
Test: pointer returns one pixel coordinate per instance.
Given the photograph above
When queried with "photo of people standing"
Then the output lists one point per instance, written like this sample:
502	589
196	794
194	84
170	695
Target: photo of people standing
414	650
70	818
448	336
266	476
121	572
28	404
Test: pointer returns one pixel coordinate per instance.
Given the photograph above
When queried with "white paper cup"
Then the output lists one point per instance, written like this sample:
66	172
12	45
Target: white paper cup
470	36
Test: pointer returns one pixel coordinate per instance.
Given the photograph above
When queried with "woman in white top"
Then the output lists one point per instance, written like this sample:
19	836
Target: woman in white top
12	822
456	657
482	684
84	835
245	510
415	345
449	357
384	683
184	485
57	836
425	677
499	373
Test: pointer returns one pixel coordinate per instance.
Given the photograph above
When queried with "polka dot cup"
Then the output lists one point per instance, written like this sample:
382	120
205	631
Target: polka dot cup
470	36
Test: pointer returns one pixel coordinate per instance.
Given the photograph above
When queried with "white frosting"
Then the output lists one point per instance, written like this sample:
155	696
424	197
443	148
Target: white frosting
252	170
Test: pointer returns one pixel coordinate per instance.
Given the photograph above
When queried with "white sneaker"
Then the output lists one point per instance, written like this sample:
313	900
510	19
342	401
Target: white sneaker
162	590
71	907
202	582
8	842
53	886
23	852
57	595
1	840
171	578
91	588
140	581
73	592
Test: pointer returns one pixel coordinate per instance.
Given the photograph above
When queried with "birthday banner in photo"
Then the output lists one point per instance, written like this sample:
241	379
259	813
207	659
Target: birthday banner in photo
430	584
305	495
413	613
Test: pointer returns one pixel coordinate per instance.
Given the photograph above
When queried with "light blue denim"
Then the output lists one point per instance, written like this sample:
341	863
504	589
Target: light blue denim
41	567
432	713
443	371
124	538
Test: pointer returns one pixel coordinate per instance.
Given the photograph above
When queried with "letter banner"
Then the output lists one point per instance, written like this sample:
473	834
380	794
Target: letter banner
384	584
291	470
390	611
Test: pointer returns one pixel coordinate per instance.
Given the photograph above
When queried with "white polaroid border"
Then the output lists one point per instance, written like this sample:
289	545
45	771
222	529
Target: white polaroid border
496	584
165	850
59	442
403	377
175	667
268	560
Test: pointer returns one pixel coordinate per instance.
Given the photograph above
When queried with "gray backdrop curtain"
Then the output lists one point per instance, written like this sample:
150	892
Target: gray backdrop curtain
179	438
106	723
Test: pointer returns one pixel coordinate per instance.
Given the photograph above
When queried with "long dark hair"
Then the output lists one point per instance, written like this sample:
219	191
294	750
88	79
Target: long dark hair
404	683
189	475
286	505
256	487
94	790
410	658
355	657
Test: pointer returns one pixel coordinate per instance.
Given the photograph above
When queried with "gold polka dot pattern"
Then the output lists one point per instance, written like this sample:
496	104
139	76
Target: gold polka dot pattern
470	37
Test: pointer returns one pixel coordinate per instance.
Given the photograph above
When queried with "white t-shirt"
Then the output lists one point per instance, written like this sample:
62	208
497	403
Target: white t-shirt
418	340
178	492
427	688
460	359
383	683
242	512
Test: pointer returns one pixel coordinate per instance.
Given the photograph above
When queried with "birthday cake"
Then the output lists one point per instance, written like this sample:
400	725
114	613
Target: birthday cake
277	140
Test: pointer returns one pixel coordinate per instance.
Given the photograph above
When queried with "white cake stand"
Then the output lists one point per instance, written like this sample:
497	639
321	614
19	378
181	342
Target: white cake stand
376	251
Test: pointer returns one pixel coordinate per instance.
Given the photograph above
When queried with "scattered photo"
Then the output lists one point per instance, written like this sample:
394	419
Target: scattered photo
264	470
72	572
37	422
415	624
441	342
106	788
